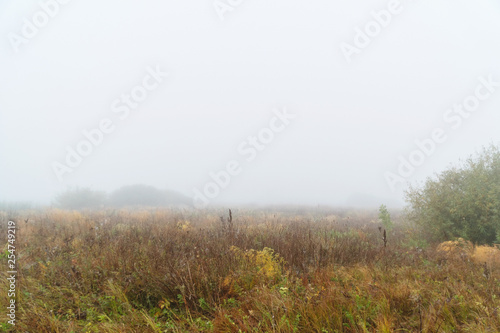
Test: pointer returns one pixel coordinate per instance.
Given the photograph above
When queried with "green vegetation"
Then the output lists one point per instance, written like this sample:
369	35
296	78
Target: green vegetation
385	218
463	201
180	271
166	270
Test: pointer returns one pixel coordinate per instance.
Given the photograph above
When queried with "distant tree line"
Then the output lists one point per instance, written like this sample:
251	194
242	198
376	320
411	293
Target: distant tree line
131	195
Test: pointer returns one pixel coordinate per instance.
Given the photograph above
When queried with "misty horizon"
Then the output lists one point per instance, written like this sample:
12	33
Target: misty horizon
329	104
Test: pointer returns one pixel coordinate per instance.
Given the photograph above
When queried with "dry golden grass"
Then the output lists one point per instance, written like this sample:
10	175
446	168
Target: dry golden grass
488	255
185	271
461	249
457	249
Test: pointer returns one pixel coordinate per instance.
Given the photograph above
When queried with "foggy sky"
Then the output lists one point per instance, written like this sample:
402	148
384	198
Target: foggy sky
226	81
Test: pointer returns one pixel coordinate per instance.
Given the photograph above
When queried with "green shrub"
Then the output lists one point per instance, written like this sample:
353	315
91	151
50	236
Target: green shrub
385	217
463	201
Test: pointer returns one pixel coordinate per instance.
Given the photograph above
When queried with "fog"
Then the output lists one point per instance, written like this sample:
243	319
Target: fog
244	102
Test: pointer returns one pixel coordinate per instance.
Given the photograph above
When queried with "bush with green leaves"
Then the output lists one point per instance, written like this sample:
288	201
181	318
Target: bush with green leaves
385	217
463	201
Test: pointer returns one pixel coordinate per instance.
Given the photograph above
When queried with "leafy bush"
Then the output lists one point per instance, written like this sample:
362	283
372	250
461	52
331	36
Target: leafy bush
463	201
385	217
255	267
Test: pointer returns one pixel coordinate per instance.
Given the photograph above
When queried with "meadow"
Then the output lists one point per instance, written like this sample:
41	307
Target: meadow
275	270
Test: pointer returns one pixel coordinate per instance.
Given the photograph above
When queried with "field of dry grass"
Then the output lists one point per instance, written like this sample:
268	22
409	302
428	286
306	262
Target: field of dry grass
262	271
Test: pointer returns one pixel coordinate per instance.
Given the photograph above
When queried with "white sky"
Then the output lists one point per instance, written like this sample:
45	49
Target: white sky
225	77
